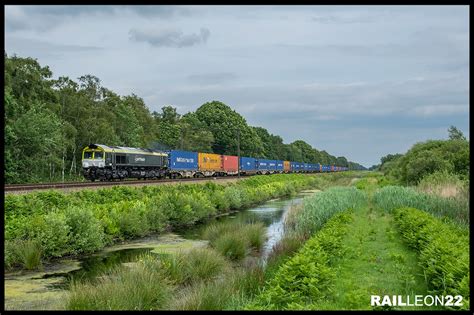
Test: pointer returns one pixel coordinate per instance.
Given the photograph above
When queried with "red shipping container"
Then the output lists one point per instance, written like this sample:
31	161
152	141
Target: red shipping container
230	164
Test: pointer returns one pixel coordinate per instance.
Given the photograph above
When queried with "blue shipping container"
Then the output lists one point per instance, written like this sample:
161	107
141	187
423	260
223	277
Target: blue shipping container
295	166
247	164
279	165
264	165
183	160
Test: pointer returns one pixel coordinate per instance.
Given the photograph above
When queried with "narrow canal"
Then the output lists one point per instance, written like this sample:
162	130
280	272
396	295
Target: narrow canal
48	288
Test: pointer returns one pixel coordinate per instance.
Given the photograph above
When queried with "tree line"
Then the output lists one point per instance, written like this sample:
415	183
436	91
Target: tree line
49	121
449	156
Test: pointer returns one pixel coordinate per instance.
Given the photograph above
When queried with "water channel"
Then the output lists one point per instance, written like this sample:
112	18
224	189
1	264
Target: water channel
47	289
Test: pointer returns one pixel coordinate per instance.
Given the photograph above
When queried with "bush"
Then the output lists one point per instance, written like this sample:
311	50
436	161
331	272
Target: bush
156	214
444	251
131	218
428	157
67	223
52	232
86	232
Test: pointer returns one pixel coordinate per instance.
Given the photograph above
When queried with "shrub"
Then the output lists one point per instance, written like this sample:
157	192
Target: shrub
63	223
52	231
9	257
131	218
86	232
156	214
443	248
233	194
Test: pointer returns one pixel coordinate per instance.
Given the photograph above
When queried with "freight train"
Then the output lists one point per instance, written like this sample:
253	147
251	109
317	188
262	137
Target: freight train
101	162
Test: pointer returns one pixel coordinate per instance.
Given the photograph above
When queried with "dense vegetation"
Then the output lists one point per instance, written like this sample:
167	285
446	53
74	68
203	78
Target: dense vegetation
49	121
57	224
425	158
339	247
443	249
364	251
306	277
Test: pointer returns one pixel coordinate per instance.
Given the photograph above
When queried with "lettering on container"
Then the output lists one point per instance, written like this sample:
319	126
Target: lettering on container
185	160
139	159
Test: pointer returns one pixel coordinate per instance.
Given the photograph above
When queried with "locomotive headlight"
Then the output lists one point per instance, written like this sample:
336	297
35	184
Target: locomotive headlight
85	164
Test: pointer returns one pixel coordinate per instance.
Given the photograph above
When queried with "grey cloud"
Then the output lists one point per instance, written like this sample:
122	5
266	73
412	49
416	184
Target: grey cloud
169	37
419	97
332	19
45	17
74	10
45	48
212	78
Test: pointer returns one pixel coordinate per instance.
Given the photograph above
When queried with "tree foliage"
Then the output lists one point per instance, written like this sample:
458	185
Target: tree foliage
428	157
49	121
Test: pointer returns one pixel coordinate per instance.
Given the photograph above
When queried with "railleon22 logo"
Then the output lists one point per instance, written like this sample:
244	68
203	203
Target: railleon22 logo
418	300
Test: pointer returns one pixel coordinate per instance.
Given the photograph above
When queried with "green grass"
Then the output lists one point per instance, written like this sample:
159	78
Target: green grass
376	262
27	253
235	240
232	245
317	209
140	287
198	264
213	295
393	197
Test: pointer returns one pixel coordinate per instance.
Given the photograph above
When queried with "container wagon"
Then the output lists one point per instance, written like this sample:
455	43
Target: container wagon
265	166
279	166
247	165
182	164
230	164
210	164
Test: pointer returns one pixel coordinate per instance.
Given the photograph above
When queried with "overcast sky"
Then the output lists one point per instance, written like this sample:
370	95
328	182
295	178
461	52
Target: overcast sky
357	81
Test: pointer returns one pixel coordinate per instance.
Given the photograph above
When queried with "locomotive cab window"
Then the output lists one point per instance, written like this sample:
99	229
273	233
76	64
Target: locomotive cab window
87	155
120	159
98	155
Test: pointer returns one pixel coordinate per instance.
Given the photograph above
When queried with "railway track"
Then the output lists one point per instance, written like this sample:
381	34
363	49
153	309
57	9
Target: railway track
28	187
